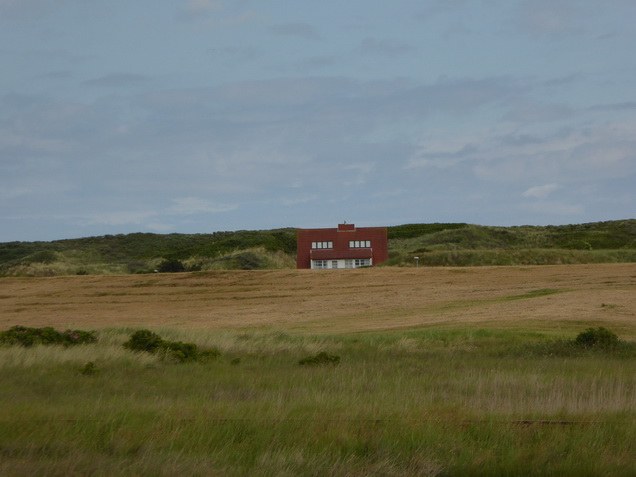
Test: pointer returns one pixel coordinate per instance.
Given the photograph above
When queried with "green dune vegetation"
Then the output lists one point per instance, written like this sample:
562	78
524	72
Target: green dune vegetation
475	245
429	402
454	244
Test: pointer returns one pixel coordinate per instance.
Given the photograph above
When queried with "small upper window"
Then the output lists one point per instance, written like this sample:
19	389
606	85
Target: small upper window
359	243
328	244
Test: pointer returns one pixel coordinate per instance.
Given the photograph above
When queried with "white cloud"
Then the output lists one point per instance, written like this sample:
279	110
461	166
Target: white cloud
200	11
195	205
194	7
23	9
437	7
212	13
298	30
116	80
233	55
296	200
384	47
122	217
550	17
357	174
540	192
502	171
535	112
617	153
508	155
550	208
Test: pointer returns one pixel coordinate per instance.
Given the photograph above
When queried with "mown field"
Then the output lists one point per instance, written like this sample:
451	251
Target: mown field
442	371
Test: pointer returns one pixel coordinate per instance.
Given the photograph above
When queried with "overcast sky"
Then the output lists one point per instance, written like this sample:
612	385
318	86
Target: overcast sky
195	116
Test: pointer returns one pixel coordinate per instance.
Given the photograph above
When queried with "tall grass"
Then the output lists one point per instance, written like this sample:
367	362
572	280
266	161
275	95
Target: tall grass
66	267
504	257
458	402
245	259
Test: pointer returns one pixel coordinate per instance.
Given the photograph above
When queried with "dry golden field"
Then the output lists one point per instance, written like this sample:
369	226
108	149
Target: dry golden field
543	298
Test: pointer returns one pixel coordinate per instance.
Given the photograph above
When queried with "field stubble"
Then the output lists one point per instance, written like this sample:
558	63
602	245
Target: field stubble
342	301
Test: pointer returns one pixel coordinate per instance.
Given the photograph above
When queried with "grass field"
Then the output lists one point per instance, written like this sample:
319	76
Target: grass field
442	371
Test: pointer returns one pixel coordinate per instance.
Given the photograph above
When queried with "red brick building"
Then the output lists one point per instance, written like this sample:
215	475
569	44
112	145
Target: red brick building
344	247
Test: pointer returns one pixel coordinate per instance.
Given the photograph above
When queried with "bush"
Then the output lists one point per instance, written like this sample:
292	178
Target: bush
88	369
171	266
149	342
144	340
321	358
208	355
591	341
597	337
178	351
25	336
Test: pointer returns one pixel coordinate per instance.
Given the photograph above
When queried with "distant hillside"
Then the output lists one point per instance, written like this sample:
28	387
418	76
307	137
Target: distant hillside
597	235
468	245
455	244
145	252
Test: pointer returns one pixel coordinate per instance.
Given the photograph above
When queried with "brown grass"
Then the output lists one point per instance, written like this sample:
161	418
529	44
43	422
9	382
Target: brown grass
544	298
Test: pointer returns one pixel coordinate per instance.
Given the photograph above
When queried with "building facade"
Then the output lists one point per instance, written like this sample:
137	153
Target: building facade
342	247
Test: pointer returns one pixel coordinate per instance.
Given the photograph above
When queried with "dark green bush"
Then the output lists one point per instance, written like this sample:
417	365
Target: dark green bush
25	336
149	342
597	337
591	341
321	358
88	369
208	355
144	340
171	266
179	351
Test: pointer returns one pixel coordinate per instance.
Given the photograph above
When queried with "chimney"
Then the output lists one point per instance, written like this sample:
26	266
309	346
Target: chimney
346	227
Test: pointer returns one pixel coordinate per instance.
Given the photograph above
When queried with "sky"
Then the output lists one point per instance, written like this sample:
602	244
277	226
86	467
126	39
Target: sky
196	116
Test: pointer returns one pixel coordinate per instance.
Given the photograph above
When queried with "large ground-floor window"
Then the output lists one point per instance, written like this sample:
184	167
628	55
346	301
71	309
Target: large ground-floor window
341	263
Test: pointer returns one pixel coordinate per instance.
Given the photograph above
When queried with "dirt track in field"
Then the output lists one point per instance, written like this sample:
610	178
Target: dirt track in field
332	301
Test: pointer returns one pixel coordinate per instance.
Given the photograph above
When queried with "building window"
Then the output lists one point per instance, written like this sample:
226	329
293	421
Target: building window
322	244
362	262
320	264
359	243
349	263
334	264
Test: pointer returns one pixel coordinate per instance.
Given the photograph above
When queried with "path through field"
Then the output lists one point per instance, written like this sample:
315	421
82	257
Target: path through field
339	301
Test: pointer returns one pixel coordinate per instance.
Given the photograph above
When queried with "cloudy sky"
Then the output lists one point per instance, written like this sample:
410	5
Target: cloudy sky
195	116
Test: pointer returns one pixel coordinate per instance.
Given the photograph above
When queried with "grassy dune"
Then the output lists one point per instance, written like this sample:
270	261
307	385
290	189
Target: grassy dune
435	245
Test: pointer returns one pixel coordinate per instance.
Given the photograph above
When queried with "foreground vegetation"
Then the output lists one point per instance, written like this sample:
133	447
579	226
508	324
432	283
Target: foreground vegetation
420	402
435	245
